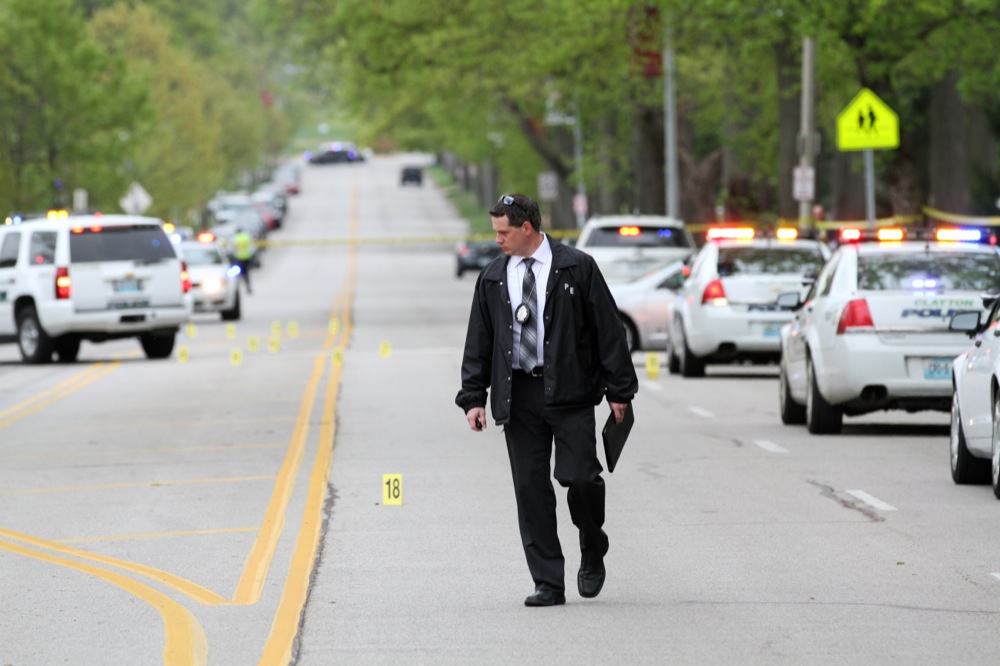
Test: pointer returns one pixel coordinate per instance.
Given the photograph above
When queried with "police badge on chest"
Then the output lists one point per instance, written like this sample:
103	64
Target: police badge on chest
522	313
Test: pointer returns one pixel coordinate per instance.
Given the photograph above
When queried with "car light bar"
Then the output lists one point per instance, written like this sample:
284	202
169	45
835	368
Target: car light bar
628	231
959	235
786	233
730	233
206	237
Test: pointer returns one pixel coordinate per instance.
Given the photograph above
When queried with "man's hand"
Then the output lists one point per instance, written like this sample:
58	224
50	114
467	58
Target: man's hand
477	418
619	409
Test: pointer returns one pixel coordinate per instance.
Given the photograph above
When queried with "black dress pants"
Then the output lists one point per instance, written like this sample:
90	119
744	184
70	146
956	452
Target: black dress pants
530	435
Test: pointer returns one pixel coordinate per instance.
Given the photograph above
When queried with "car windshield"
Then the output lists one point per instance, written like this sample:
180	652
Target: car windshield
145	242
769	260
202	255
952	270
637	236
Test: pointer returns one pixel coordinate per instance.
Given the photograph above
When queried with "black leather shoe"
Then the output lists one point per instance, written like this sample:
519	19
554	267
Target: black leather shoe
590	580
545	597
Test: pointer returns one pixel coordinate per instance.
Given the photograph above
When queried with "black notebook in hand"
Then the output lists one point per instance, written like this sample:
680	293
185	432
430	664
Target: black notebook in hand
615	434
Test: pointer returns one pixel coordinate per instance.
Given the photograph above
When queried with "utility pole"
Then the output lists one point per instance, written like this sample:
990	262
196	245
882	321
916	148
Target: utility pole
807	149
670	128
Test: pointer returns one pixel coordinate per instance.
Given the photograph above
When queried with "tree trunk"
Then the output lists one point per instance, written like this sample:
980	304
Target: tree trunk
789	125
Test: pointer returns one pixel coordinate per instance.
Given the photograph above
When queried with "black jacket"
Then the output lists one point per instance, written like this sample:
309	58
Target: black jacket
586	355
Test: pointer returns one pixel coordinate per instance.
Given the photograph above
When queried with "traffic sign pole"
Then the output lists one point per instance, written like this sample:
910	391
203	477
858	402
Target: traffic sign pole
870	187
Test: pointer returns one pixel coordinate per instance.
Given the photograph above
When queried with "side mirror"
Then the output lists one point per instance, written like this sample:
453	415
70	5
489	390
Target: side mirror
809	278
966	322
789	300
989	298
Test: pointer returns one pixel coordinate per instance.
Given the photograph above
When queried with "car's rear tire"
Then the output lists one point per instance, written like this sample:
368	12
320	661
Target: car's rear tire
792	413
690	365
995	458
157	345
67	348
34	343
965	467
458	271
233	313
673	362
822	418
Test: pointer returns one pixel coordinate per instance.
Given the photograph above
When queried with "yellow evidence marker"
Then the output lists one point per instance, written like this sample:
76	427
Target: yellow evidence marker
334	326
253	343
392	489
338	357
293	329
653	365
275	327
236	356
183	355
385	349
192	331
274	344
230	331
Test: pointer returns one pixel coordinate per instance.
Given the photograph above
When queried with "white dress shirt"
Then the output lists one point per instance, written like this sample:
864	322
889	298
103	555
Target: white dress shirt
515	282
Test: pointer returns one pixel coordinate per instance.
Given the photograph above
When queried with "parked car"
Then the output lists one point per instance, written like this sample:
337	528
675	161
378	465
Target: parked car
628	246
95	278
337	152
727	310
473	255
214	279
975	404
643	305
873	333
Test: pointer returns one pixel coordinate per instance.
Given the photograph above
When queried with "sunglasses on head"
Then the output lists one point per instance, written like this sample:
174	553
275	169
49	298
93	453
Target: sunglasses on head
508	200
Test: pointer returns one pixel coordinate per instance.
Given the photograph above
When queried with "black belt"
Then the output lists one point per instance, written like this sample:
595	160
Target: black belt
534	372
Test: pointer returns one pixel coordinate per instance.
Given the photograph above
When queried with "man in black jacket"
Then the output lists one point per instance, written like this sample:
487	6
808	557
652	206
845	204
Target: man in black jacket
545	335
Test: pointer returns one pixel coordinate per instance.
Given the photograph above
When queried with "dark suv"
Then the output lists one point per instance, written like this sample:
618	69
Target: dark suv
412	174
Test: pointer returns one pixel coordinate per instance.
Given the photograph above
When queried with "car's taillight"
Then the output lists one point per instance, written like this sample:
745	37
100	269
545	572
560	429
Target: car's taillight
714	293
185	278
463	250
63	283
856	316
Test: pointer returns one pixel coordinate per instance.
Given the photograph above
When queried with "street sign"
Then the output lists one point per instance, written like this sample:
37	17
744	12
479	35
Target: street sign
804	185
867	123
548	186
136	200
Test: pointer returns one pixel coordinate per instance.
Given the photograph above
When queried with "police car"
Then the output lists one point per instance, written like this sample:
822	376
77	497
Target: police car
727	310
627	246
90	278
214	280
975	405
873	332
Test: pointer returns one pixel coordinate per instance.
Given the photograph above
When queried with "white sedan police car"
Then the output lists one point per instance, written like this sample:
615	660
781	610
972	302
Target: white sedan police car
727	310
873	333
975	405
214	280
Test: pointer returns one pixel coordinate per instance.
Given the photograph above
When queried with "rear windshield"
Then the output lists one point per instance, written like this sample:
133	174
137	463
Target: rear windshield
769	260
637	236
141	242
954	270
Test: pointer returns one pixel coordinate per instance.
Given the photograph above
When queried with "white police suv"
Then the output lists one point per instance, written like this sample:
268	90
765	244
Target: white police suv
627	246
95	278
873	333
727	310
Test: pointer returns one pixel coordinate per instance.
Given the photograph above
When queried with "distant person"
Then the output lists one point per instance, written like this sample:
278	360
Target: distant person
546	340
242	254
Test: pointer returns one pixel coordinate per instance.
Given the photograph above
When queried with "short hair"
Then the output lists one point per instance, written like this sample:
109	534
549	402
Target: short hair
520	210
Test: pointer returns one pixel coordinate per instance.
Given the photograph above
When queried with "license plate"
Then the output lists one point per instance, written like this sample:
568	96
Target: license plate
937	368
127	286
772	330
129	304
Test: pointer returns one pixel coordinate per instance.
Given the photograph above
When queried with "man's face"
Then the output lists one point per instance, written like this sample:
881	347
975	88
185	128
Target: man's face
514	241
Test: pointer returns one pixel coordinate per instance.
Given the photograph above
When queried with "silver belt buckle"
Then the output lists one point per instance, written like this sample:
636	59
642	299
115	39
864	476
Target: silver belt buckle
536	371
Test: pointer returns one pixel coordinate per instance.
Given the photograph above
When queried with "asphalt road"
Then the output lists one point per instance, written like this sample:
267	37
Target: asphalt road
229	509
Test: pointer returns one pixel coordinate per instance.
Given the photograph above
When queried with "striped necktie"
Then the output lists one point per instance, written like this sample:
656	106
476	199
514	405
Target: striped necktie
529	330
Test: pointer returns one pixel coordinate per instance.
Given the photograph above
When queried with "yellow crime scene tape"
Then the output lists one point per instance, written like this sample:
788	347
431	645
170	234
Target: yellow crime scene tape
399	240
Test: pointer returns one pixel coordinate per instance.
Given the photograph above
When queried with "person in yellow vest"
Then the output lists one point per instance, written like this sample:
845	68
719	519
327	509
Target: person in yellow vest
243	253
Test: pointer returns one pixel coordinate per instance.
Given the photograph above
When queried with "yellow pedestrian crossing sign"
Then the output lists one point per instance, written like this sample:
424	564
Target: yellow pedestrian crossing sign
867	123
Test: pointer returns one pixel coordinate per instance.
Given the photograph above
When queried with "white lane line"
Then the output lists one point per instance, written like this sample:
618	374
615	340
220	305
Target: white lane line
770	446
701	412
996	575
871	501
652	386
